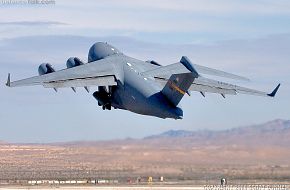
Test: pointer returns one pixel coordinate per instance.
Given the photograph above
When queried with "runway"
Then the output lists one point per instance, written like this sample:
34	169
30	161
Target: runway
110	188
155	187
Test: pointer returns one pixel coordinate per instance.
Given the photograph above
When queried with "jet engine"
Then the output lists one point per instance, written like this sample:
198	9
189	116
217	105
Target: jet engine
100	51
45	68
73	62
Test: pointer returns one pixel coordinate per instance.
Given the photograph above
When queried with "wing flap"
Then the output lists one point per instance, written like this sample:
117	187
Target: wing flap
226	87
199	87
205	85
85	82
211	89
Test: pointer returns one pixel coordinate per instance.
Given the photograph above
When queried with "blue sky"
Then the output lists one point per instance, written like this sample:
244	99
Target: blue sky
250	38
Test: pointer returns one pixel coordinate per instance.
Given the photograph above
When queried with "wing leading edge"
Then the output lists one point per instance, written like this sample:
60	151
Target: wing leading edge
99	73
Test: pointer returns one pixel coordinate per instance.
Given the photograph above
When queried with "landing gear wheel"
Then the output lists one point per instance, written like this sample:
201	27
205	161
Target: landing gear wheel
103	107
108	107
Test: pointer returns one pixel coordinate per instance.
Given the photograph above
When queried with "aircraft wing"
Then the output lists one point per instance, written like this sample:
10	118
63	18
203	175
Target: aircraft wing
99	73
203	84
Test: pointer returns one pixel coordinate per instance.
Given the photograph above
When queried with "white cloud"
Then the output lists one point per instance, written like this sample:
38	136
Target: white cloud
31	23
198	6
224	19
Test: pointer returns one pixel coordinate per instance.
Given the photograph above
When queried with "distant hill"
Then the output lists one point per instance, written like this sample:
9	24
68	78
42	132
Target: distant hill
273	133
275	126
3	142
276	133
173	134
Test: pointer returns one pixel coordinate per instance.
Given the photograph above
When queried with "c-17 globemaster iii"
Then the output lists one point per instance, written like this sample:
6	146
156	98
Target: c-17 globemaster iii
143	87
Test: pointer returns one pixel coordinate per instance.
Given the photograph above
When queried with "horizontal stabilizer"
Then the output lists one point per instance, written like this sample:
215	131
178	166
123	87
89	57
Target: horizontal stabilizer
184	67
218	73
187	64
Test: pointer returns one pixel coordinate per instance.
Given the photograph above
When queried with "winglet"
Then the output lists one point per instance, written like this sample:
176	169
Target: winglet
8	83
272	94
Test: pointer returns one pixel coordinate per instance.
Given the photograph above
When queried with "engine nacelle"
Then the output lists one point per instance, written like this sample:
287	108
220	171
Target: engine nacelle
45	68
73	62
100	51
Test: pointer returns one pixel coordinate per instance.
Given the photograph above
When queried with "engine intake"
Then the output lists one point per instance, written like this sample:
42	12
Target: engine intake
73	62
100	51
45	68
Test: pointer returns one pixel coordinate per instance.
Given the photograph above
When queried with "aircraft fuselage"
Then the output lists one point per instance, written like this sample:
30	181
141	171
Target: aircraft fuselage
140	94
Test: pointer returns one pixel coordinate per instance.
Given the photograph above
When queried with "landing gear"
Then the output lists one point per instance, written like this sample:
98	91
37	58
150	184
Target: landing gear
108	107
104	97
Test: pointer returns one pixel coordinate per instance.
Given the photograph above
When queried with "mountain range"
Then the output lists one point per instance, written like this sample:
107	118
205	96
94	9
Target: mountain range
273	133
276	133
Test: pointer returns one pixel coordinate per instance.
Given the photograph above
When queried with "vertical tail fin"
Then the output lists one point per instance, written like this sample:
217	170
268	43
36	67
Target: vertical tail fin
178	84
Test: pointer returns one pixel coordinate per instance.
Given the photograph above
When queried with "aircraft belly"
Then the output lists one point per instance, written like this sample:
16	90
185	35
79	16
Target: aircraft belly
143	96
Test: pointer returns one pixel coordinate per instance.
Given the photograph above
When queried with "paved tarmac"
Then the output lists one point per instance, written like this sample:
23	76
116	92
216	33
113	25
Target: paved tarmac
109	188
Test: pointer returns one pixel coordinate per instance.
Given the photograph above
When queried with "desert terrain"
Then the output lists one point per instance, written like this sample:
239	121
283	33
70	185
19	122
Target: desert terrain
253	154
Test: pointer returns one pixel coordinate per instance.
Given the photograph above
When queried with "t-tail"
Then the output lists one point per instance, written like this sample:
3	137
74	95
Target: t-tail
179	84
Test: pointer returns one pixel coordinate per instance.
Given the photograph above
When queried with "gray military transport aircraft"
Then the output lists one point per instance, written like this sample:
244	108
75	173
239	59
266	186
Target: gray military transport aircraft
143	87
